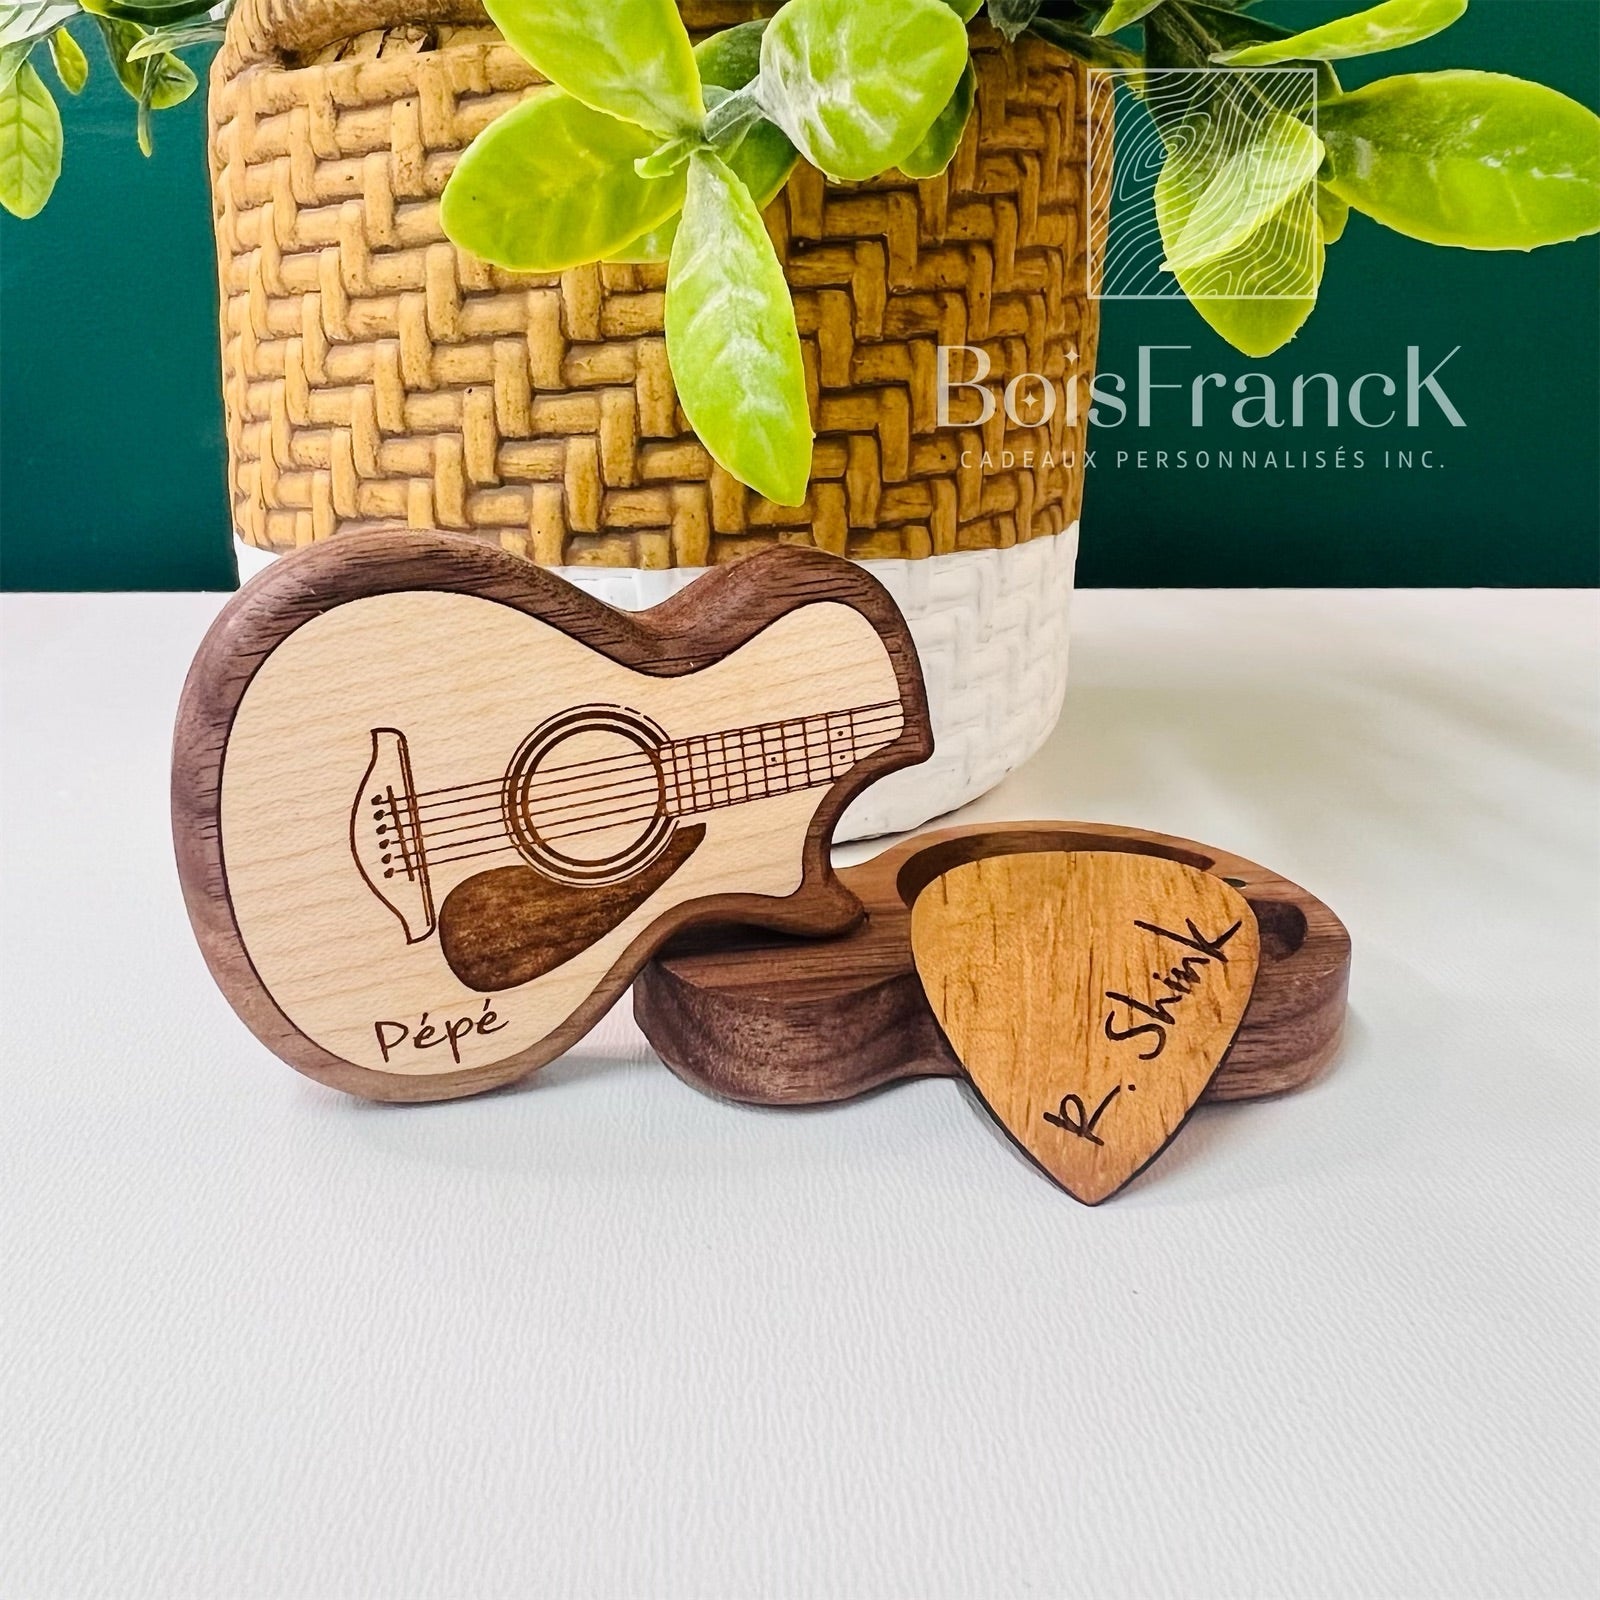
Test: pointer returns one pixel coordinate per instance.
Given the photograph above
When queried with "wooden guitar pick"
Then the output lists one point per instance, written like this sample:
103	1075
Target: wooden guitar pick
757	1017
1090	995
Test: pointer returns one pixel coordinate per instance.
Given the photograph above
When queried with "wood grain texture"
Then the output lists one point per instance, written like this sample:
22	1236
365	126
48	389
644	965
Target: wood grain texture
569	918
774	1021
310	678
1090	995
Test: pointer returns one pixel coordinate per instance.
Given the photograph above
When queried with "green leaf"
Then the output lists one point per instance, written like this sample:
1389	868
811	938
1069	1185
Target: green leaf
732	58
71	64
651	248
731	61
732	341
178	36
157	82
551	185
150	81
968	9
668	156
1232	29
938	149
1332	214
1258	294
857	87
1097	52
762	160
1123	14
173	82
1230	192
168	81
629	58
149	13
33	19
30	143
1473	159
147	94
1388	26
1010	16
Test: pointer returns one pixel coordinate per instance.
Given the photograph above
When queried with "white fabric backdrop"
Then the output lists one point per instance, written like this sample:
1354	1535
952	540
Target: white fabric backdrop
606	1337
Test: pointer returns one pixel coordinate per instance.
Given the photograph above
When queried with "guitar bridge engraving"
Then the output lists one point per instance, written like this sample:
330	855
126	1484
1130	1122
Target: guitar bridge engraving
386	836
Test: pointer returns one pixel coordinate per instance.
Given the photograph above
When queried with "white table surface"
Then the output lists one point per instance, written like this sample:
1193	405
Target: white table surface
604	1336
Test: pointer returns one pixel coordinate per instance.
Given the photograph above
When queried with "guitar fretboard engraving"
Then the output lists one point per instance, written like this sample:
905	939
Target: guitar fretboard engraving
709	771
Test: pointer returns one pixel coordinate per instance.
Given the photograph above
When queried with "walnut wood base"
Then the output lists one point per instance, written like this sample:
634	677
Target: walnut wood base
773	1020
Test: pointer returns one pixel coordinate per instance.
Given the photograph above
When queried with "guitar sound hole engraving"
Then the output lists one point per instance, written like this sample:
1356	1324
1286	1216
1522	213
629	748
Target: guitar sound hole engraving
585	798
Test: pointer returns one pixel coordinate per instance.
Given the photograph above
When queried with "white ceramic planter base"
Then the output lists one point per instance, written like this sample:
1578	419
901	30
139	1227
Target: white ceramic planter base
991	628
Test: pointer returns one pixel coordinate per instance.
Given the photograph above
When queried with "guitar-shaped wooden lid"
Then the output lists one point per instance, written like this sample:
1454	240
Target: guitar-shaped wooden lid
433	806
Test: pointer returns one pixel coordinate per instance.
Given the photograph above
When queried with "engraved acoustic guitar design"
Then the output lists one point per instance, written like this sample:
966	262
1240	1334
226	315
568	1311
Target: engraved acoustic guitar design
434	807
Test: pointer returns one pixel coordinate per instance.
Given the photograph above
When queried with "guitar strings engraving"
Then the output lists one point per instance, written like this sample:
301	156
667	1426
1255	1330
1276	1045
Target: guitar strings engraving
628	805
699	780
564	773
375	846
492	840
870	722
705	770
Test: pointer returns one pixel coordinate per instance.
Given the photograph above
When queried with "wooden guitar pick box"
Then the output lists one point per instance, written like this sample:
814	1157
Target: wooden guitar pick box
435	809
775	1021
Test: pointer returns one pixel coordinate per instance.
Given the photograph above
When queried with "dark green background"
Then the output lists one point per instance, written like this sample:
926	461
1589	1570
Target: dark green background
111	450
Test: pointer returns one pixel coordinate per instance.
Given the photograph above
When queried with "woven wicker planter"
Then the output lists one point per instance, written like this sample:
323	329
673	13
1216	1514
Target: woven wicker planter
374	375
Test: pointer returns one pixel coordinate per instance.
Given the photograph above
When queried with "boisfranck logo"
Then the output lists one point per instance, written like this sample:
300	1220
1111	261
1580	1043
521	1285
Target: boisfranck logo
1160	396
1208	190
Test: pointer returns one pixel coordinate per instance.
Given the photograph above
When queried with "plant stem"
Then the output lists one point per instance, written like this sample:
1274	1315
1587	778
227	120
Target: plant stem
728	122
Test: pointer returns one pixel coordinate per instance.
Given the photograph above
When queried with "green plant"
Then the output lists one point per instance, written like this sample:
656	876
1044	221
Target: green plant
647	149
650	150
140	39
1473	159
